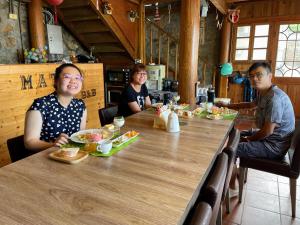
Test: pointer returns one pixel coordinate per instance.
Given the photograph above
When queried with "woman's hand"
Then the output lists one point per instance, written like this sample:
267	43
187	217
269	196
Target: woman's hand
61	140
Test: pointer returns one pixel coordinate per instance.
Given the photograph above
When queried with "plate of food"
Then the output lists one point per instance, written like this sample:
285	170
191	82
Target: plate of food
158	104
124	138
91	136
214	117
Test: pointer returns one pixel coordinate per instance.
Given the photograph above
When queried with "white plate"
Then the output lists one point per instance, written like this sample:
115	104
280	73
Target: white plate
75	137
214	117
122	139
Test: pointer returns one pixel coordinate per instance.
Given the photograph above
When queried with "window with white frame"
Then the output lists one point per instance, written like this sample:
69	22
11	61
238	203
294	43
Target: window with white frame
251	42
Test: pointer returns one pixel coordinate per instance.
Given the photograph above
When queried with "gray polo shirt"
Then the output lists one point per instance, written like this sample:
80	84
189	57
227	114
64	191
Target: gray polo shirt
276	107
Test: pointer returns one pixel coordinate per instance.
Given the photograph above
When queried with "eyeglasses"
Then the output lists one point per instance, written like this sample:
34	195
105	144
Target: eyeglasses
258	75
142	74
68	77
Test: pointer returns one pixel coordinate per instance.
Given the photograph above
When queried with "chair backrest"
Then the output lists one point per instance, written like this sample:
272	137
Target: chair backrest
212	192
17	148
202	214
107	115
230	150
294	153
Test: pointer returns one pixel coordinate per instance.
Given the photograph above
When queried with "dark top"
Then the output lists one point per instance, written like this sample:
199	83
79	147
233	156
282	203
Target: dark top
56	118
130	95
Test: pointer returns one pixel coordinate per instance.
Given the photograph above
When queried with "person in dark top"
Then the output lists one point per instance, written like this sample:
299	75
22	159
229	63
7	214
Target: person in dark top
51	119
135	97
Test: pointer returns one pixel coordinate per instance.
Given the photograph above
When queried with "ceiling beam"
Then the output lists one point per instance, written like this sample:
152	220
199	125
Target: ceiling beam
220	5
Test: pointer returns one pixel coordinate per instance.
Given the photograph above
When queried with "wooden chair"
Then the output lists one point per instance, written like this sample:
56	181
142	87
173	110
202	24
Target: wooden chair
107	114
203	214
230	150
288	167
212	191
17	148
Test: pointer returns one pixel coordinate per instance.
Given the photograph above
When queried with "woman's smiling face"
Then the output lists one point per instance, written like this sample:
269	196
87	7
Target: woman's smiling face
140	77
69	82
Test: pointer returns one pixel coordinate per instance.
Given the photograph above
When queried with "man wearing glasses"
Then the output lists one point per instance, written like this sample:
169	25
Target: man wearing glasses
274	117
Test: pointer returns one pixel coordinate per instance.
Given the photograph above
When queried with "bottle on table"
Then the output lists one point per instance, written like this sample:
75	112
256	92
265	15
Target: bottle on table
211	94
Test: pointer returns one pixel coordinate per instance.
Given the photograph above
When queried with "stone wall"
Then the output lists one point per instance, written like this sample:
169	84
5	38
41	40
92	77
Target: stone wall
10	38
208	52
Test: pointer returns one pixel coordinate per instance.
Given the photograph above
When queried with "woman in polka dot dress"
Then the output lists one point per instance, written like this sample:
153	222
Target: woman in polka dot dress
53	118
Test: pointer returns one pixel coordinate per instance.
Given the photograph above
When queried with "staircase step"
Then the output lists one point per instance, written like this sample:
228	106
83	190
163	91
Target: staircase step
78	12
103	37
72	4
76	19
108	48
90	26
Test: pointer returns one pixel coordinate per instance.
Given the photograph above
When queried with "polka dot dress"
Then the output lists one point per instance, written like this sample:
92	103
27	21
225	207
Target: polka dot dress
56	118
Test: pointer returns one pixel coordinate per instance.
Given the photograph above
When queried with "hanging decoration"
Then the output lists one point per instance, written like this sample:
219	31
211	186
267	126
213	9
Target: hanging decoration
219	21
132	15
107	8
55	3
169	13
156	15
233	15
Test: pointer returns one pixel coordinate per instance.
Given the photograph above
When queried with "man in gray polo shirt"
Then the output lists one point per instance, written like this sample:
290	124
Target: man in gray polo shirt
274	117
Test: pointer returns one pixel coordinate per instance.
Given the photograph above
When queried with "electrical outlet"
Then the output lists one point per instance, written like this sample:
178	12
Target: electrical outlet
13	16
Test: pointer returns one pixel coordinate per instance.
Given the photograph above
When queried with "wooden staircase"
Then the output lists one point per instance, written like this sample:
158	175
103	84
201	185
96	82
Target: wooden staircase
105	34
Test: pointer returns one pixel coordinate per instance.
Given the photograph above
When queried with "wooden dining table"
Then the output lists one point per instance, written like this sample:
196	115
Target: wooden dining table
154	180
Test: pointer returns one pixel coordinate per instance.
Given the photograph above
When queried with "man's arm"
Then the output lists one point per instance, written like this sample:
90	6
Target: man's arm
264	132
240	105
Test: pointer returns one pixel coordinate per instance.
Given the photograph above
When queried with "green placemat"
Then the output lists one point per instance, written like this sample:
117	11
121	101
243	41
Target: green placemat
225	116
115	150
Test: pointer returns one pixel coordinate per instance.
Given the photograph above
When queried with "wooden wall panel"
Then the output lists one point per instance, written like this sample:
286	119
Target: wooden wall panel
14	101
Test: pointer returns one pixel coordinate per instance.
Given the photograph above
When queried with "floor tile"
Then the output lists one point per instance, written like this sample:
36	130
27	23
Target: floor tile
228	223
284	191
284	180
236	213
263	175
262	185
286	207
287	220
262	200
254	216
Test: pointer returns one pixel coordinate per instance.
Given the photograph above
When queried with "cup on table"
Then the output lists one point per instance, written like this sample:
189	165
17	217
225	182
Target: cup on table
119	122
209	105
105	147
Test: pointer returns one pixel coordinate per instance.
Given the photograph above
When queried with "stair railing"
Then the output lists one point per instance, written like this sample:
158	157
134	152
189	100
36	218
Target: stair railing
162	34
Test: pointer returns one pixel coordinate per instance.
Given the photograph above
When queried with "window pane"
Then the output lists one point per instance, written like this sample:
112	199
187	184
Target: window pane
260	42
261	30
281	51
259	54
290	50
241	55
297	51
242	43
243	31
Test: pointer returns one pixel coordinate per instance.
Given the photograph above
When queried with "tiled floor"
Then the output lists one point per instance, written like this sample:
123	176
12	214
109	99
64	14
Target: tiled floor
266	201
266	197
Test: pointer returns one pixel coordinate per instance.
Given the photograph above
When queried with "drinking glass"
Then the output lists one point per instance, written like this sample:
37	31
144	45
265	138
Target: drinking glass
119	122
